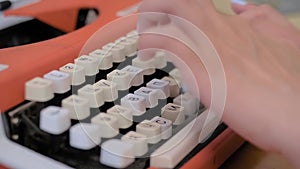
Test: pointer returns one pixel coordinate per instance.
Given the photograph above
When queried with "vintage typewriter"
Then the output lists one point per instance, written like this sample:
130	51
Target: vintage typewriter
60	108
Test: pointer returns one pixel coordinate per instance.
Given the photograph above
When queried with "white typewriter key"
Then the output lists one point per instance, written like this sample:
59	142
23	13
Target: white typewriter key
151	96
121	78
137	76
117	50
133	54
107	123
130	44
136	103
165	126
93	93
39	89
85	136
54	120
178	146
151	130
61	81
139	141
116	153
120	40
78	107
123	114
175	74
132	34
160	59
90	64
109	89
173	112
148	66
189	102
76	73
161	85
174	86
105	58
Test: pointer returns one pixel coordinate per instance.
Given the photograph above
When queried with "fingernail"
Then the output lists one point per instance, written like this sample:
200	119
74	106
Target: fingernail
240	2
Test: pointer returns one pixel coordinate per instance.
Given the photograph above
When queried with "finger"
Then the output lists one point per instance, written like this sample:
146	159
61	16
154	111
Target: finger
240	6
262	13
155	12
174	7
277	24
147	21
166	38
200	57
151	19
156	6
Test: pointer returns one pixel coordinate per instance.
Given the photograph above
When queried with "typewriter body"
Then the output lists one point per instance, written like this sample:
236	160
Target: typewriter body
21	148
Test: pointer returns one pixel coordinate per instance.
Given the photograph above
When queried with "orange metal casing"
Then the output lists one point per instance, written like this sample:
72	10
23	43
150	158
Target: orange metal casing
28	61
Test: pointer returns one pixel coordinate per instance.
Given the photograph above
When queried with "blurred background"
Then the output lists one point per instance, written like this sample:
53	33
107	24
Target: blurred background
285	6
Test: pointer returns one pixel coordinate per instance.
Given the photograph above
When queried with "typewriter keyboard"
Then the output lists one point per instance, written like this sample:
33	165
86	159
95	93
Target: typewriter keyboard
109	109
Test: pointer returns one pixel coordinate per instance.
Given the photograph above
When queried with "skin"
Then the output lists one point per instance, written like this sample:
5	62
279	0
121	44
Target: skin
260	53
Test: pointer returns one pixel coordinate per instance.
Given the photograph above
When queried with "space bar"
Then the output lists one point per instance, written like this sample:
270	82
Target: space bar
175	149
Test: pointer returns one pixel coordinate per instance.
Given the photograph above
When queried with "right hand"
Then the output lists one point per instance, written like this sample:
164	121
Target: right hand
260	53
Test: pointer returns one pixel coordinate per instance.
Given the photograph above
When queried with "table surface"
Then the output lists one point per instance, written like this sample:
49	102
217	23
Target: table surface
248	156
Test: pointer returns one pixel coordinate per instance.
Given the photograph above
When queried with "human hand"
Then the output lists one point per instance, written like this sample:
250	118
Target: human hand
259	52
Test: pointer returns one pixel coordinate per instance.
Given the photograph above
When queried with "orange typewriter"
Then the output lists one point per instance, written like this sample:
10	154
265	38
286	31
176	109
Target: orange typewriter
61	109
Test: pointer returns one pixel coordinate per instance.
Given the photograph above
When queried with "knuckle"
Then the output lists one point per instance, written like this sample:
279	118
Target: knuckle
261	13
265	10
